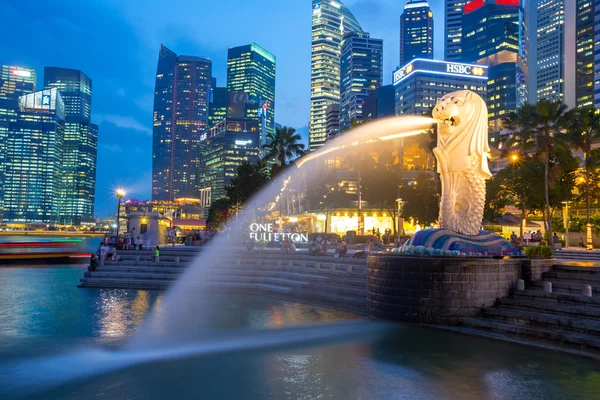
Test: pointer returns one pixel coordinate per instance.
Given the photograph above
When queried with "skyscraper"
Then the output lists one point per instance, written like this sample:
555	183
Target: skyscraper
181	110
33	160
80	144
224	148
14	82
494	36
597	53
453	29
333	120
416	31
584	42
330	21
361	74
218	106
251	70
555	79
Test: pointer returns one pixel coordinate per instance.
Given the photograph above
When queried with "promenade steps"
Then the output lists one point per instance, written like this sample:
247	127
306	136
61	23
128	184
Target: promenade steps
323	281
565	316
578	255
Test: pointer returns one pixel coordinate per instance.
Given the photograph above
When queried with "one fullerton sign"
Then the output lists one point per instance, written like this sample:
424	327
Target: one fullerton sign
264	233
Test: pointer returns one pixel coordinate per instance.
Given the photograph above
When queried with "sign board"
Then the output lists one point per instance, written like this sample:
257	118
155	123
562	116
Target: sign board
264	233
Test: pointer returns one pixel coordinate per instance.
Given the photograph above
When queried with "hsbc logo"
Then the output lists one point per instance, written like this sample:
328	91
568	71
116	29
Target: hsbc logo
464	69
459	69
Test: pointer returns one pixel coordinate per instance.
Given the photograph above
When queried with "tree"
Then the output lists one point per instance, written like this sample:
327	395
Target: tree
250	179
283	146
538	129
219	214
584	131
421	200
520	184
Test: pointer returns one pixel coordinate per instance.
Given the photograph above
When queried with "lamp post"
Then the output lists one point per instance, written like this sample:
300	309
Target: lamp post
400	219
566	222
120	194
514	158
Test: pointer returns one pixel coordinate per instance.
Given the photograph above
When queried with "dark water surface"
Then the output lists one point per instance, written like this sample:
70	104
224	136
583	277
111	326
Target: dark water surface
43	312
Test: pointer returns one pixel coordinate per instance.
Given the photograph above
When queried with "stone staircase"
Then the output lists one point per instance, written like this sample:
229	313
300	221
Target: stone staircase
323	281
564	316
578	255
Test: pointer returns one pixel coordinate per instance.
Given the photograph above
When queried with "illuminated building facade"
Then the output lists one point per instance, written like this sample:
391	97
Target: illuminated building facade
14	82
181	111
330	21
380	103
493	35
218	106
333	120
421	83
224	148
251	70
361	74
80	144
33	160
597	53
584	42
453	30
556	51
416	31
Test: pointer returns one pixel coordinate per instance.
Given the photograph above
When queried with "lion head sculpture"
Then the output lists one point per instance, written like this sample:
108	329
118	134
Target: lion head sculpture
463	131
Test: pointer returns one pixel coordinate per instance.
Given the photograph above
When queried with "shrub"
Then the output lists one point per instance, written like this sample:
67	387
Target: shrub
538	252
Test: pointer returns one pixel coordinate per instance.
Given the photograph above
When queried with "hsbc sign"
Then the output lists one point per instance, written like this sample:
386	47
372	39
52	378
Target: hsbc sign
464	69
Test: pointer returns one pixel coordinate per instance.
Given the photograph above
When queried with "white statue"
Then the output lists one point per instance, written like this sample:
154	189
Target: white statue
462	154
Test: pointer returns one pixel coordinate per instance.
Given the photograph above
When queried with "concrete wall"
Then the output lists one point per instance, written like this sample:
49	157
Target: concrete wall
436	290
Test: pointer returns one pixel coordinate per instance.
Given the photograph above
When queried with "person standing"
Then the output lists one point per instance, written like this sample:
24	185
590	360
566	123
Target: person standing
103	251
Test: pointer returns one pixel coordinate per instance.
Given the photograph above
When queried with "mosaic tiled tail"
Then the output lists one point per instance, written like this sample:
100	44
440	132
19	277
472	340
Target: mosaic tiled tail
449	243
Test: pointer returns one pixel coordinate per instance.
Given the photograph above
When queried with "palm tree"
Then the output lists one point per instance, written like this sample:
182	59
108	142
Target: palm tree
584	131
521	123
284	146
551	120
539	128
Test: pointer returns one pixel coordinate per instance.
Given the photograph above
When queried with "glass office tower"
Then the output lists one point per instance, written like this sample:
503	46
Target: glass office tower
416	31
361	74
80	144
33	160
550	83
224	148
453	29
330	21
181	110
493	35
218	106
14	82
251	70
597	53
584	42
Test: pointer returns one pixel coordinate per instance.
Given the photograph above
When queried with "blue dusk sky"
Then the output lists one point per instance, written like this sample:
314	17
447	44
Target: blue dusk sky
116	42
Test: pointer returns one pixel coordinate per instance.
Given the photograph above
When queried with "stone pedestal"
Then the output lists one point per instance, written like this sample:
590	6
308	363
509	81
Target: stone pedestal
436	290
534	269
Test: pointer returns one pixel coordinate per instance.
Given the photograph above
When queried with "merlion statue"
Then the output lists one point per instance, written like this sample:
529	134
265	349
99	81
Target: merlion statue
462	155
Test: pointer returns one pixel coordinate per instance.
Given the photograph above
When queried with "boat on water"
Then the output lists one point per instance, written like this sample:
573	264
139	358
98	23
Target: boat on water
51	251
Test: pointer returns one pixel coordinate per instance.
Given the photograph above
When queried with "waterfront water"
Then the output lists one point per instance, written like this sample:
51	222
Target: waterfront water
43	312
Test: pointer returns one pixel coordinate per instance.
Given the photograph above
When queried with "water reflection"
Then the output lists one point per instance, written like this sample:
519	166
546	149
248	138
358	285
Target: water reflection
120	315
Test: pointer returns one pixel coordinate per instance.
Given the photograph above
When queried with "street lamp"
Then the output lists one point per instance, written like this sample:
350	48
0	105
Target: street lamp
514	158
120	194
400	219
566	222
